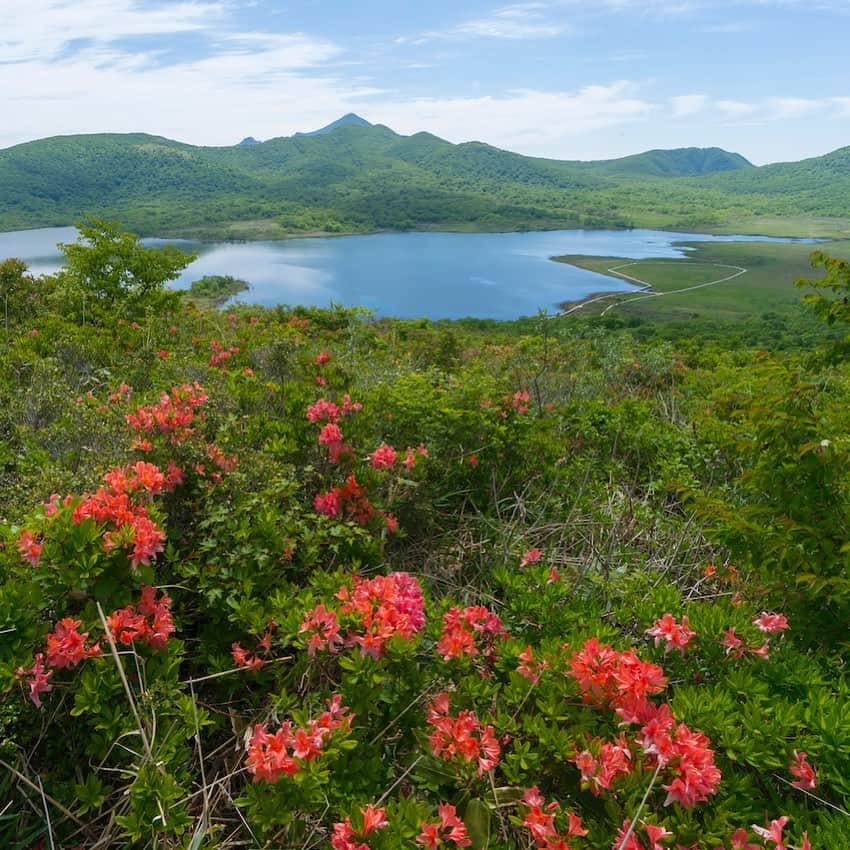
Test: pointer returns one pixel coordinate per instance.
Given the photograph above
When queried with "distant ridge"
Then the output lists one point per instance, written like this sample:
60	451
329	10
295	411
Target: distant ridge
347	119
248	141
678	162
356	177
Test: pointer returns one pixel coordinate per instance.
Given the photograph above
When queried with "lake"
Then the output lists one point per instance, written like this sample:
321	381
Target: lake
435	275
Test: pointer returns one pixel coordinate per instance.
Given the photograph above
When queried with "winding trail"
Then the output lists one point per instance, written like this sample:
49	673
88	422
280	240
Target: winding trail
647	287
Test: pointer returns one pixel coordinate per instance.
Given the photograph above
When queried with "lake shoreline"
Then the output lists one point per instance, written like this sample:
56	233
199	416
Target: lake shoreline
434	275
220	235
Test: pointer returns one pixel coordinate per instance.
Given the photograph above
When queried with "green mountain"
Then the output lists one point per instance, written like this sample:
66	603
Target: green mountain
348	119
680	162
353	176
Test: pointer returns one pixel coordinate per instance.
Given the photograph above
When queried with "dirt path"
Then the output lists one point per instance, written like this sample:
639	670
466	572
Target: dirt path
647	287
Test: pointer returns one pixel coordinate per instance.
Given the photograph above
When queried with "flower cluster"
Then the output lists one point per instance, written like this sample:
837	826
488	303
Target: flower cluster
143	476
450	828
322	629
66	647
348	501
676	635
378	609
30	547
37	679
470	631
148	623
604	763
805	780
461	738
253	661
620	680
611	678
518	402
129	524
331	436
346	837
627	837
382	608
771	623
384	457
529	667
172	415
326	411
116	506
220	355
284	753
773	832
222	463
532	556
540	820
738	648
695	776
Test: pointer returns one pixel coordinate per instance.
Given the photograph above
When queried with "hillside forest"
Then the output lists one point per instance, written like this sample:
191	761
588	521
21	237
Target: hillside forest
362	178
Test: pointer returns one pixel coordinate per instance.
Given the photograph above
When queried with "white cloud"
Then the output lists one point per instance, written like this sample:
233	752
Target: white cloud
41	29
735	108
684	7
782	108
533	122
518	21
252	83
688	104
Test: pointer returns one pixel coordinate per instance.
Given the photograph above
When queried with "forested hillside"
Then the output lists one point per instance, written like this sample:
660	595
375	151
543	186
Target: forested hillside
356	178
292	578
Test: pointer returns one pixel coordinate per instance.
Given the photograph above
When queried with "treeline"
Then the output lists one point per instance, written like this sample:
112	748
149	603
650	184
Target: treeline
358	179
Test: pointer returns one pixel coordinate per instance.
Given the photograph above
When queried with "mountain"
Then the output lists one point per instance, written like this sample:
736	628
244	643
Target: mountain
349	118
354	176
249	140
679	162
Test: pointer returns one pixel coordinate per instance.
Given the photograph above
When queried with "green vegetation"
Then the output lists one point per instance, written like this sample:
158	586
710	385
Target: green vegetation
214	290
300	578
759	306
107	269
357	179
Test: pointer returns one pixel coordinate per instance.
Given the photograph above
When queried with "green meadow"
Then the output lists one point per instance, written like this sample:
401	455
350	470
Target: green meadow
766	287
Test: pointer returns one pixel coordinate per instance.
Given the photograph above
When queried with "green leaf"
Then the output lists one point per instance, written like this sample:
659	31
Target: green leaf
477	820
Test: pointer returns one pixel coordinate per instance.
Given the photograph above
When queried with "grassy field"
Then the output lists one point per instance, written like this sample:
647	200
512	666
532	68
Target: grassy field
812	227
251	230
767	286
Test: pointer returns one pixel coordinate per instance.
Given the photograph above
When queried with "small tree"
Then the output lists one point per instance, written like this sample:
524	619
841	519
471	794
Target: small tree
837	281
21	295
107	267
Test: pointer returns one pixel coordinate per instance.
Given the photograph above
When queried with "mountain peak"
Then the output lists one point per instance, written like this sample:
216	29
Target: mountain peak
349	118
677	162
249	141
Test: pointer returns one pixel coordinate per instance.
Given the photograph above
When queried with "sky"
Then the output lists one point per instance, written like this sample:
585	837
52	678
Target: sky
568	79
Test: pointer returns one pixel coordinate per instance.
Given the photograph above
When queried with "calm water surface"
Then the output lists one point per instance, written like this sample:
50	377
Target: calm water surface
437	275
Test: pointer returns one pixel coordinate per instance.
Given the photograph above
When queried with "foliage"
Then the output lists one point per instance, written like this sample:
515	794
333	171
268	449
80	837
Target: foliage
106	265
836	281
215	290
358	179
293	578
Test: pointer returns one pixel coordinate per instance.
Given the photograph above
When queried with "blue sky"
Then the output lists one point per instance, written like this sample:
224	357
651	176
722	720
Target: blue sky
561	78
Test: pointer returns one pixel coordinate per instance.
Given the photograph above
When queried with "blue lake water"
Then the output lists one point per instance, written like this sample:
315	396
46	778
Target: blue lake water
435	275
